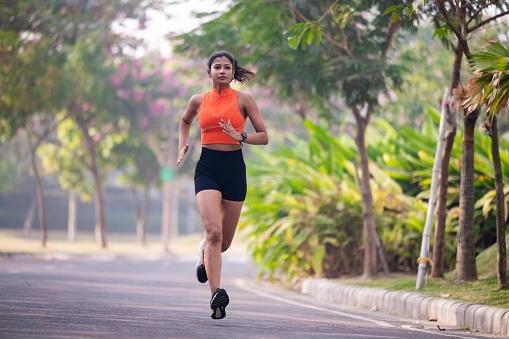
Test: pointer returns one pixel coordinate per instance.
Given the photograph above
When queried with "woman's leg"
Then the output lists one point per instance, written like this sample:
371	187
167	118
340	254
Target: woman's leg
209	207
230	218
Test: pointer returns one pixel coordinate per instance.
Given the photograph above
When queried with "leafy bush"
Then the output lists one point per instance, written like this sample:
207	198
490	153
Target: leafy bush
303	211
407	156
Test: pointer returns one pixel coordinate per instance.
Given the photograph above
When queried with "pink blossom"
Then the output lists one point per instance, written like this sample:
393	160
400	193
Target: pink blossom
85	107
158	107
382	98
265	102
142	22
116	80
181	92
89	144
138	95
143	75
120	75
168	83
145	122
123	94
137	64
123	68
168	73
163	88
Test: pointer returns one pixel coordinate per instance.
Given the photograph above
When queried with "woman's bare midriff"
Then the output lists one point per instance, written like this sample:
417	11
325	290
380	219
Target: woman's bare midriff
222	147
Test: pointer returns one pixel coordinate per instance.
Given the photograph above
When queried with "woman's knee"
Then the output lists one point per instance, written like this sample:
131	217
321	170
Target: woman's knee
214	236
225	245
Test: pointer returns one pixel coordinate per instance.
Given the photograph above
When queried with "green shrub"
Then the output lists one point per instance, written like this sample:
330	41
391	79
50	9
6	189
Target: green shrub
303	210
303	213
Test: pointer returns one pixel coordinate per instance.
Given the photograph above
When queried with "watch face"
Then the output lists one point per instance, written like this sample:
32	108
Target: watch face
243	135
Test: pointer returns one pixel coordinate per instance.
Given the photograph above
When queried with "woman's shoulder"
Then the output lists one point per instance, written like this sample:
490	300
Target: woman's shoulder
196	99
244	96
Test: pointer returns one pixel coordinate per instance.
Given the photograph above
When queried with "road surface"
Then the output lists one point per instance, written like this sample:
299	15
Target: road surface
120	297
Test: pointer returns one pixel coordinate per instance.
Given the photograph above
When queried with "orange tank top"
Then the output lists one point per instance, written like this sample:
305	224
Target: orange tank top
217	105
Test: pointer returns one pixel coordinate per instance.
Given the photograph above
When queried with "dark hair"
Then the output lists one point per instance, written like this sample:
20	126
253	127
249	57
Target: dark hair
240	74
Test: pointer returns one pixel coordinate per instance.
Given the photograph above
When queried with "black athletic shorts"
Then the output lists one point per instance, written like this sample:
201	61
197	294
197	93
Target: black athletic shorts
223	171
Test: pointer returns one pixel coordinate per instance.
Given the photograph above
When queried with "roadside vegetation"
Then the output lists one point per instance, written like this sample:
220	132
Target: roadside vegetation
484	291
342	190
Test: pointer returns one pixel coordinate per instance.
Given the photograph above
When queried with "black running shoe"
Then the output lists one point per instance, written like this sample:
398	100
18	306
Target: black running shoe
201	274
218	304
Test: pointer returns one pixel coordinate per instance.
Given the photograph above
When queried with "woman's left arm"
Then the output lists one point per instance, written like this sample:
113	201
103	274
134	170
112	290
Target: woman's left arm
260	136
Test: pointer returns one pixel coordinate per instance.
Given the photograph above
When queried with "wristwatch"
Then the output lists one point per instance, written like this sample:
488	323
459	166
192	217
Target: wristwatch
243	135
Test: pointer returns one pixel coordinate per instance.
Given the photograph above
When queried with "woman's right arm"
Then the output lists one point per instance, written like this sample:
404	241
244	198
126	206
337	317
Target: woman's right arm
185	125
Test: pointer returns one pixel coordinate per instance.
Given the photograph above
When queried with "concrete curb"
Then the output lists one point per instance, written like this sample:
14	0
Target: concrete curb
414	305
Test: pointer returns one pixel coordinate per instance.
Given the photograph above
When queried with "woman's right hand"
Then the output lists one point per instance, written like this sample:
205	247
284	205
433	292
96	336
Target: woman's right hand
181	154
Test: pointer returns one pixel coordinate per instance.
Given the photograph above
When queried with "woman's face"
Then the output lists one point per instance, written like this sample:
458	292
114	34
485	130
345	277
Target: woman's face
221	71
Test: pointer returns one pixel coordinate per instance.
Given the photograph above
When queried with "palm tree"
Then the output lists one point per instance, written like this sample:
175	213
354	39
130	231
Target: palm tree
489	86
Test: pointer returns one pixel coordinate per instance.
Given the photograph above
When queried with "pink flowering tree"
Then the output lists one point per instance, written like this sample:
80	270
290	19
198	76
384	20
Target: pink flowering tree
153	97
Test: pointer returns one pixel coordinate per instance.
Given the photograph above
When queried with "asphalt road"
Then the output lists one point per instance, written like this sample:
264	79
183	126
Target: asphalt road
108	297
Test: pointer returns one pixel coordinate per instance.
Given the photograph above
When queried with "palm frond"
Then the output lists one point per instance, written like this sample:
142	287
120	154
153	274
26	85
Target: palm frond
489	83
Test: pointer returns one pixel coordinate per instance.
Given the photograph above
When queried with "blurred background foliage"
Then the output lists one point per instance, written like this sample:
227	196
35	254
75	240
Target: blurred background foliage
84	92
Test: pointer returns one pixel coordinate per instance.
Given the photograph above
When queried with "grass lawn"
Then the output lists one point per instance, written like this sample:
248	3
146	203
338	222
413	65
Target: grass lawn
484	291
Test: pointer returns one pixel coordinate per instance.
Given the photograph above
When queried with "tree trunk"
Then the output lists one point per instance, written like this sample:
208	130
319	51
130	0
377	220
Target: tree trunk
166	221
144	213
39	194
137	209
99	207
300	103
368	217
168	187
466	269
190	215
424	254
441	207
381	254
141	213
72	215
100	217
29	218
500	206
437	270
378	241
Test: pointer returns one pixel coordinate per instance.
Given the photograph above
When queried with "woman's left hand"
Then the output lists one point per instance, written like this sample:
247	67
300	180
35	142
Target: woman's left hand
228	129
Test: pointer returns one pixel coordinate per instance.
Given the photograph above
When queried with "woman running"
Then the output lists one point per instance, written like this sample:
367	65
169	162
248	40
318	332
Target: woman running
220	175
